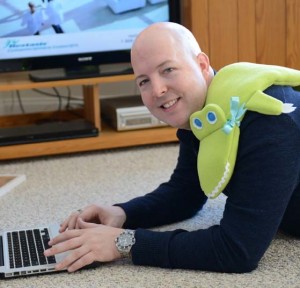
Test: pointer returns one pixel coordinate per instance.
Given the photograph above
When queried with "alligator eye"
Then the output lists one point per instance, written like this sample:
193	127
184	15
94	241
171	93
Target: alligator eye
211	117
197	123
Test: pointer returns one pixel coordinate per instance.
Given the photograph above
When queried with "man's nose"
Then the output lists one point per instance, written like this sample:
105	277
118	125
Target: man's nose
159	88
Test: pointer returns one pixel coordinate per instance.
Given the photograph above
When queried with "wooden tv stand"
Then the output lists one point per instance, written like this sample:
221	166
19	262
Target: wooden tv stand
108	138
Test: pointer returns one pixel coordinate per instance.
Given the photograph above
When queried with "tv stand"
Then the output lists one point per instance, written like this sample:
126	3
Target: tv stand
90	71
108	138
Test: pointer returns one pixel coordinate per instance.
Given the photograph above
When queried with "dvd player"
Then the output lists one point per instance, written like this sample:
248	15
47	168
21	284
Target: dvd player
47	131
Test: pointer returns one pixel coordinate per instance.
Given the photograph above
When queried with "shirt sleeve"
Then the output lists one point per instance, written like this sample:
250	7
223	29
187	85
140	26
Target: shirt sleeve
178	199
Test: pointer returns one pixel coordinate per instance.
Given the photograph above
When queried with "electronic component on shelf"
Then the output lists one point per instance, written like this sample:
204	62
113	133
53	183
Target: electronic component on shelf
128	113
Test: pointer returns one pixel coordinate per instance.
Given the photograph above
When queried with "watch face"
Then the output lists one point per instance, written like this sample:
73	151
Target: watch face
125	240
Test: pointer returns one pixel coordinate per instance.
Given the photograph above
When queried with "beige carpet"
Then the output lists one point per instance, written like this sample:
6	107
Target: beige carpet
55	186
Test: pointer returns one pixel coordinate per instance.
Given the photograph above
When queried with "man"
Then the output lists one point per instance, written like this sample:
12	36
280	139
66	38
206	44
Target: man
33	19
174	77
55	15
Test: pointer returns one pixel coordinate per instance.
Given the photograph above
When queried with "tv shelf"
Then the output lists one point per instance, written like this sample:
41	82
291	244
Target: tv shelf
108	138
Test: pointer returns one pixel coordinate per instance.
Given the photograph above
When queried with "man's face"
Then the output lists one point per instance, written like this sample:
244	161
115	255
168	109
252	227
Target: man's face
170	79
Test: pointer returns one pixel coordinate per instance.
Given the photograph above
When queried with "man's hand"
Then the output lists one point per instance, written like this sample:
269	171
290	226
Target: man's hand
87	244
113	216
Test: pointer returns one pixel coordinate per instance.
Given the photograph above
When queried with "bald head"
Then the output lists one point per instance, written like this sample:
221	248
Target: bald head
171	72
165	33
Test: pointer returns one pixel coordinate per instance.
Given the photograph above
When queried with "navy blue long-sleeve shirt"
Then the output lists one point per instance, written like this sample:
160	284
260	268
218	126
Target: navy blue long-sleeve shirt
263	196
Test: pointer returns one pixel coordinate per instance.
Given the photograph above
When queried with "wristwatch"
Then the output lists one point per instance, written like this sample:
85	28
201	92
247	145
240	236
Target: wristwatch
124	242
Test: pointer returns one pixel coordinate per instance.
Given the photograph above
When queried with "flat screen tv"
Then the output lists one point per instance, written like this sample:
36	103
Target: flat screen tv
79	37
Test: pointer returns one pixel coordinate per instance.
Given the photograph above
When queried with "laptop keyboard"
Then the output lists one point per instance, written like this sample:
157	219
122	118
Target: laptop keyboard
26	248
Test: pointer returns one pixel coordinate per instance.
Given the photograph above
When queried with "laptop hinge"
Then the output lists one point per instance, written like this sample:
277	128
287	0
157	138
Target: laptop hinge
1	252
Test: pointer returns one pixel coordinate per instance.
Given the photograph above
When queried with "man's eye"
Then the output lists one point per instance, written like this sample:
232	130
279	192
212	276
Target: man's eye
168	70
143	82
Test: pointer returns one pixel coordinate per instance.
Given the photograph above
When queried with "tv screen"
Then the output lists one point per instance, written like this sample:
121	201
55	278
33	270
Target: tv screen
76	35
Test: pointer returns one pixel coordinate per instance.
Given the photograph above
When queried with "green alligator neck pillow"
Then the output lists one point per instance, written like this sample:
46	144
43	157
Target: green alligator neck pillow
235	89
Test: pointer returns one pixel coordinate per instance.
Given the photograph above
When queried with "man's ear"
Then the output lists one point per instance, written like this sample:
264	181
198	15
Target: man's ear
203	61
204	64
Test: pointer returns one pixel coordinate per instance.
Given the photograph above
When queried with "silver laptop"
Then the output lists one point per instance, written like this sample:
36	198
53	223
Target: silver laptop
22	251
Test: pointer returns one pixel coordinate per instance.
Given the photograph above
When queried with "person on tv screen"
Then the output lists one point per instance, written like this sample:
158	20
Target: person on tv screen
33	19
239	134
55	16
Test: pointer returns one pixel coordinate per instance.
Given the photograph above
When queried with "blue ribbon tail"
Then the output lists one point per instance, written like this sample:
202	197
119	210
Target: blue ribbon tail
236	113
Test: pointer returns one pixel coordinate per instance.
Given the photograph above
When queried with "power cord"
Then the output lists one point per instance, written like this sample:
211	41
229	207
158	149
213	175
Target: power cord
56	94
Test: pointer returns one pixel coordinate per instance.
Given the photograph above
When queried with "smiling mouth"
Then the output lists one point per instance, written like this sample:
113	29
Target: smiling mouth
170	104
